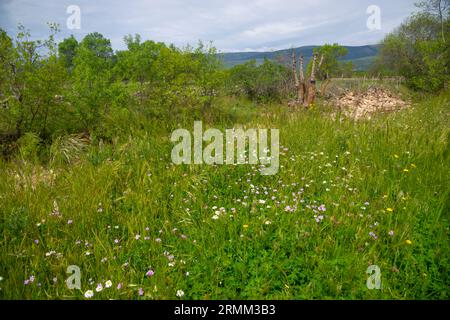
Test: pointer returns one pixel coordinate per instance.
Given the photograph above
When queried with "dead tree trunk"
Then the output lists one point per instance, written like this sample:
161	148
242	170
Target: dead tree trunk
302	87
311	97
294	70
299	83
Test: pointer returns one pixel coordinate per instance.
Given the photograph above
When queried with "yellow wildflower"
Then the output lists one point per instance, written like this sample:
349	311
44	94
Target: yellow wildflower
390	210
408	242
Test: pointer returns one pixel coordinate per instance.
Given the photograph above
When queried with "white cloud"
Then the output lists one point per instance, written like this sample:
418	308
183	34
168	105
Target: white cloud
232	25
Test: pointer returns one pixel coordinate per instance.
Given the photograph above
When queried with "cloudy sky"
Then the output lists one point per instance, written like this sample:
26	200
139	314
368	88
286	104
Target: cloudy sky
232	25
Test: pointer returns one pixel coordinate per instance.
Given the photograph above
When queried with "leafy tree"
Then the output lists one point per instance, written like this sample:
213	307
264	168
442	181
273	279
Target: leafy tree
209	75
32	78
438	8
329	55
91	79
98	45
136	63
416	51
269	81
67	50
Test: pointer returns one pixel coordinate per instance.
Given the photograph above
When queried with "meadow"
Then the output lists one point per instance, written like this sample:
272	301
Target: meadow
348	195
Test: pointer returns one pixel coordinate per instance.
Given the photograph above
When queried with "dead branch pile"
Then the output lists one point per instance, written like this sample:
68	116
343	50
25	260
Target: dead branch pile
363	105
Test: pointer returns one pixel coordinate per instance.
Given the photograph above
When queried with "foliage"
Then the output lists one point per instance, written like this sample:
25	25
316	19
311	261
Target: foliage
32	81
267	82
67	51
120	209
92	183
418	51
52	90
330	65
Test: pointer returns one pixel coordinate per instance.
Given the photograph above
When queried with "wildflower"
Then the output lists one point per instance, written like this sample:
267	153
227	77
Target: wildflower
137	237
405	170
408	242
183	236
318	218
119	286
141	292
146	238
89	294
70	221
147	228
245	226
180	293
262	201
116	241
108	284
373	235
396	156
55	279
150	273
391	233
36	241
215	217
290	209
390	210
32	279
158	240
322	208
413	165
268	222
26	282
99	287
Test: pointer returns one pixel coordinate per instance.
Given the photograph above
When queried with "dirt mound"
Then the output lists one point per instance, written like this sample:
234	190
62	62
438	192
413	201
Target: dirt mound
363	105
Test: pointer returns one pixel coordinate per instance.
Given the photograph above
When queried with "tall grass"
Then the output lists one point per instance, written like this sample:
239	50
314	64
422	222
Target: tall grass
119	209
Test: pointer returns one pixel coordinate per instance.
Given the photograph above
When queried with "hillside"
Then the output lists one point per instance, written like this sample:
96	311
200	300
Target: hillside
361	56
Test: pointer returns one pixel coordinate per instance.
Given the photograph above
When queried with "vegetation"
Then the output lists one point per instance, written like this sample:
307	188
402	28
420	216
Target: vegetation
86	177
419	49
267	82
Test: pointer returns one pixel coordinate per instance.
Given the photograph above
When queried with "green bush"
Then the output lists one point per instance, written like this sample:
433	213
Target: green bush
267	82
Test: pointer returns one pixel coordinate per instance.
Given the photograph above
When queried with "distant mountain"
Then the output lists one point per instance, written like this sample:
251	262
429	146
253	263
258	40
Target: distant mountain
361	56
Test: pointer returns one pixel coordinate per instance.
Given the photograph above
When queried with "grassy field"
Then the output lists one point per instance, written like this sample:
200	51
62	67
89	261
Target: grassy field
348	195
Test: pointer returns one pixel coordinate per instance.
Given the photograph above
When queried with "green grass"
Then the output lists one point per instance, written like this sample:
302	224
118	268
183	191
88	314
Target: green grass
253	251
